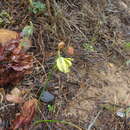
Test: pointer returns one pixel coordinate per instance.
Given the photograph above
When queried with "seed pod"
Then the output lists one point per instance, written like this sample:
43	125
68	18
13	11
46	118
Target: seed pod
61	45
70	50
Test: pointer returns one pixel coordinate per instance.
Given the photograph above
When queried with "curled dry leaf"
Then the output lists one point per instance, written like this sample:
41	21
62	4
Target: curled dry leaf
15	96
16	92
14	60
26	115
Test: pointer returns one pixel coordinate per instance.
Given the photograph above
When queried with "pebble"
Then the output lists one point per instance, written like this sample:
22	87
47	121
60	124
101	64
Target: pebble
47	97
120	114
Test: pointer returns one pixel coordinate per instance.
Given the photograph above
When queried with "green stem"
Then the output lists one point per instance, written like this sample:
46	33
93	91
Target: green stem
58	53
57	121
46	83
49	76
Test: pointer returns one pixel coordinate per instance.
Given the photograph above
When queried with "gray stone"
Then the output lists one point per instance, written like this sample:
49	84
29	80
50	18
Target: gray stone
47	97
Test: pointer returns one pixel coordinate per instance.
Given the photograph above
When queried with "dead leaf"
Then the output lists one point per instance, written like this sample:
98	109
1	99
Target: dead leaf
14	63
16	92
15	96
7	35
26	115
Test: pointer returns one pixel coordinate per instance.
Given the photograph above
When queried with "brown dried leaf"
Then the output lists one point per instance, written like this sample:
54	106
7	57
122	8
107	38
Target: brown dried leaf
14	98
16	92
7	35
26	115
14	63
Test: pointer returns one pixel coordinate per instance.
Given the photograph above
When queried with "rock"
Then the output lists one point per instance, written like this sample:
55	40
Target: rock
120	114
46	97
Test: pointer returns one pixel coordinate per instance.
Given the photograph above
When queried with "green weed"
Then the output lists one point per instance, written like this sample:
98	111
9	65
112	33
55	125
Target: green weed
5	18
88	47
51	108
61	63
127	45
36	7
28	30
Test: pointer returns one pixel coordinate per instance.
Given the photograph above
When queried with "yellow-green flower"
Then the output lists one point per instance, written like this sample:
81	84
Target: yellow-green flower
64	64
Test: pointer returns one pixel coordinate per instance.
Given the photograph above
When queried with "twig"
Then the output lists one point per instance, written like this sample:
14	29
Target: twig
44	118
49	76
90	126
1	98
49	9
7	106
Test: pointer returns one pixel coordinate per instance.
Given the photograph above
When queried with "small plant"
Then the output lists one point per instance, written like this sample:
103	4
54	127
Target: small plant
127	62
26	33
127	45
5	18
36	7
28	30
51	108
88	47
63	64
15	61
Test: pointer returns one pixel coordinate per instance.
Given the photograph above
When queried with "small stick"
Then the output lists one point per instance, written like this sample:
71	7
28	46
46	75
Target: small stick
7	106
90	126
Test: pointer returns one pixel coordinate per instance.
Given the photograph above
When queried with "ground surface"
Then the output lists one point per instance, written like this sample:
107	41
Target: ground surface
99	83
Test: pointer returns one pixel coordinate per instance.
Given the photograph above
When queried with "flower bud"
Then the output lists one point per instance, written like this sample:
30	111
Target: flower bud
61	45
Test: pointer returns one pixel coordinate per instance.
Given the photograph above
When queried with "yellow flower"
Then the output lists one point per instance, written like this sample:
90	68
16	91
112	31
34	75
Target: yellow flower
64	64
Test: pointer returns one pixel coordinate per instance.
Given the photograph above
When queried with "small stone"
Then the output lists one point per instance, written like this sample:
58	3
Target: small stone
120	114
47	97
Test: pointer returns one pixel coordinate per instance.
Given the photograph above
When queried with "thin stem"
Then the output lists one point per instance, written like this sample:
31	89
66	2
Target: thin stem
46	83
49	76
58	53
90	126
